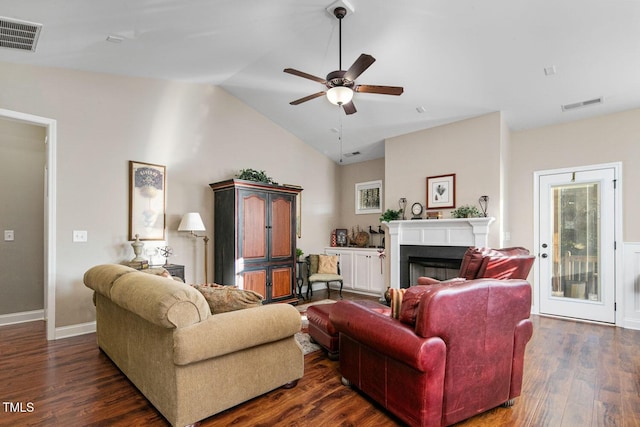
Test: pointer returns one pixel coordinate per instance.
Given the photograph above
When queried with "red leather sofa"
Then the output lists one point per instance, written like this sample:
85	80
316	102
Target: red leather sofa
456	350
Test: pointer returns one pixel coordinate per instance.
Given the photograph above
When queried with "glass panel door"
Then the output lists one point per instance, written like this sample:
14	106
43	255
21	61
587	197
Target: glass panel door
577	244
576	241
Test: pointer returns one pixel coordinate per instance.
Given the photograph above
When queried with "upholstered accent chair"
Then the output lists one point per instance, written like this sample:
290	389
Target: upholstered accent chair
482	263
323	268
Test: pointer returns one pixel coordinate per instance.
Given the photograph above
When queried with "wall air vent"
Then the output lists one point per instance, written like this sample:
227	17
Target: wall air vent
20	35
569	107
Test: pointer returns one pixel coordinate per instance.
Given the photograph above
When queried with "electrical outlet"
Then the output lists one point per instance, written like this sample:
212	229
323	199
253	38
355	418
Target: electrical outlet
79	236
8	236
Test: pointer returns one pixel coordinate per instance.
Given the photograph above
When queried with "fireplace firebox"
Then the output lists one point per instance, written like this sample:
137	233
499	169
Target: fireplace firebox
438	262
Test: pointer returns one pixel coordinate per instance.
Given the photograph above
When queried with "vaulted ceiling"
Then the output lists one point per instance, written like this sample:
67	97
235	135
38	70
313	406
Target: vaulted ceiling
455	59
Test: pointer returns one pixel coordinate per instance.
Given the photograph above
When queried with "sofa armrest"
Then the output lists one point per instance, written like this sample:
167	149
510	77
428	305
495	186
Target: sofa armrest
388	336
229	332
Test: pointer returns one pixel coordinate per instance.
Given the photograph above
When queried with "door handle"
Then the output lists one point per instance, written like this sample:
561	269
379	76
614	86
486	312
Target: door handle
544	255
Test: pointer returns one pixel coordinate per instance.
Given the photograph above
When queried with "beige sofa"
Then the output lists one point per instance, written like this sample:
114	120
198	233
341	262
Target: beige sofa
189	363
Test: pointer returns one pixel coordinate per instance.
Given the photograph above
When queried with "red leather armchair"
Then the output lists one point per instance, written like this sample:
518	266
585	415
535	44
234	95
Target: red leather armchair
463	355
477	263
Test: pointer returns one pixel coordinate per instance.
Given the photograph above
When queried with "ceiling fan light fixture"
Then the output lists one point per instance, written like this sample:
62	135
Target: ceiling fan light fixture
340	95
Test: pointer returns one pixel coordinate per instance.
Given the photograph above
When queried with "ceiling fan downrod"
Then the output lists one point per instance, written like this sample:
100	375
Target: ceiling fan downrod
340	12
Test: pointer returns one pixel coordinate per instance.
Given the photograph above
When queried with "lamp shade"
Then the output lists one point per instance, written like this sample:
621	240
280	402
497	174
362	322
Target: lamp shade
191	222
339	95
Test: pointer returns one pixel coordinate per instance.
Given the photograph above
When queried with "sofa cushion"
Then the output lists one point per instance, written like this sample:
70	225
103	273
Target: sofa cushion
327	264
500	267
474	257
101	277
222	299
162	301
411	300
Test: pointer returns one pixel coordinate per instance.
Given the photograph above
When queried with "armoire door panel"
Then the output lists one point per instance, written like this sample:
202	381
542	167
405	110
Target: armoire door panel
254	227
255	280
281	227
281	282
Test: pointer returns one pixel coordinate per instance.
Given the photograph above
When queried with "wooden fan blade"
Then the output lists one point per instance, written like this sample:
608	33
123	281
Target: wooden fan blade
306	98
349	108
363	62
383	90
304	75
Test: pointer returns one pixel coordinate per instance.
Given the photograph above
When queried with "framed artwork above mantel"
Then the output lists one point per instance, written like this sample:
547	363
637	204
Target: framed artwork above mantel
441	191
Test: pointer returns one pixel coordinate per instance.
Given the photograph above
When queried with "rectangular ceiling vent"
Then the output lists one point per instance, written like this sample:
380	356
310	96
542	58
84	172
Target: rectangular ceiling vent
569	107
355	153
20	35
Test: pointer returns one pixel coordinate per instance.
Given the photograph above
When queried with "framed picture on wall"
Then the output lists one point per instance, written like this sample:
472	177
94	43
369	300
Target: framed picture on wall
441	191
147	201
369	197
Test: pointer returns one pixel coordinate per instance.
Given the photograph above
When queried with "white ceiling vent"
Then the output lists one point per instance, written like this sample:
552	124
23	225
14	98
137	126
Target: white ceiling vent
569	107
355	153
16	34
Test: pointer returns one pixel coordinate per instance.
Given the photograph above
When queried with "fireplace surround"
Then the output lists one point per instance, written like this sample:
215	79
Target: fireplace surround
439	241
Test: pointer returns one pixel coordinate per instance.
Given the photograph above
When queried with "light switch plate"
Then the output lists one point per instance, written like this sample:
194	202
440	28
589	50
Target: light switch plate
79	236
8	235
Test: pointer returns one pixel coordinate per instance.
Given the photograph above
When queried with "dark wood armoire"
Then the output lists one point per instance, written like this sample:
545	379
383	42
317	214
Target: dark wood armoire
255	237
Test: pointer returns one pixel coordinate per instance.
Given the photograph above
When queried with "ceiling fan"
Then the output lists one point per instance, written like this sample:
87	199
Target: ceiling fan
341	84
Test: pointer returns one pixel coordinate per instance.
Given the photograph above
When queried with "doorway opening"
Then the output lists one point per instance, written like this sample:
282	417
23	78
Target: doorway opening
50	211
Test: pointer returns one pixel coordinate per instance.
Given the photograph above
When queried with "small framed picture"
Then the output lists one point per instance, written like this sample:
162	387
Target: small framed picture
441	191
369	197
341	237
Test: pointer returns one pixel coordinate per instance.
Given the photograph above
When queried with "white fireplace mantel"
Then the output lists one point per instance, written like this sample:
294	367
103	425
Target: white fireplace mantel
434	232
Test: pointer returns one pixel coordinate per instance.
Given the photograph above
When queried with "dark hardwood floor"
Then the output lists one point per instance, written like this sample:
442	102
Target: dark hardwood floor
576	374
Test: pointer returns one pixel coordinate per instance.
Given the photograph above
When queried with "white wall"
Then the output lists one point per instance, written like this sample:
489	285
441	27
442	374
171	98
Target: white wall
22	160
350	175
471	149
201	133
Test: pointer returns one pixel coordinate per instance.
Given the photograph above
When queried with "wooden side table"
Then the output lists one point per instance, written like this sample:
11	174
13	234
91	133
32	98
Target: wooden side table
300	277
175	270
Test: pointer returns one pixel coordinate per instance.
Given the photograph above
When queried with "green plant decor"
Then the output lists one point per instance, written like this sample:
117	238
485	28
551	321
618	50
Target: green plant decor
255	176
299	252
391	215
466	211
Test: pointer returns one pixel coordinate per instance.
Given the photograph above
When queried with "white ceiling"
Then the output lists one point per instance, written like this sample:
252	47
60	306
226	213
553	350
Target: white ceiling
455	58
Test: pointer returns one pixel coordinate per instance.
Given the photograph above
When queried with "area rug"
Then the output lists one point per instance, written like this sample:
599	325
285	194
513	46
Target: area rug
303	339
303	336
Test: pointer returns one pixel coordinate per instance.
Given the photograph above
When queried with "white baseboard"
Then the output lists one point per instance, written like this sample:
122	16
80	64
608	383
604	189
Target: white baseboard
631	324
25	316
75	330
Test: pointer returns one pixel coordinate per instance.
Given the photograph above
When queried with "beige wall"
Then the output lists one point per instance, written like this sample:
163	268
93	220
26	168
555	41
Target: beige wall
201	133
604	139
22	160
350	175
471	149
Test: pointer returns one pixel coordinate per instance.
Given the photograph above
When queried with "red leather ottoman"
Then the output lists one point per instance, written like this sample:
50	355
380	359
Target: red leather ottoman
321	329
